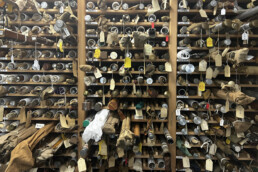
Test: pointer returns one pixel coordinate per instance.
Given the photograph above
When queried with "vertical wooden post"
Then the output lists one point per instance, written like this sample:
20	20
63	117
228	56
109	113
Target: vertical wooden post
81	11
172	79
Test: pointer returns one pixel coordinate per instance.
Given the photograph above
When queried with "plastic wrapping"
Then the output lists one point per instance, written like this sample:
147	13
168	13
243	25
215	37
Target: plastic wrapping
94	129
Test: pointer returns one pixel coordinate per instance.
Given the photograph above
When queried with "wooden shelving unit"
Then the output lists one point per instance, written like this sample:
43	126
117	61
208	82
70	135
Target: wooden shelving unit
244	81
29	44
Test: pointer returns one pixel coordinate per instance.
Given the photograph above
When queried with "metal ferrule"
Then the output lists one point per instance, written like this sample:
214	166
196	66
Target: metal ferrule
151	163
180	104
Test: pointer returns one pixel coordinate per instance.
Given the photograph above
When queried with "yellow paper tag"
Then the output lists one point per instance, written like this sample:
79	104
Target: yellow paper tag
60	45
209	42
128	62
97	53
201	86
228	141
140	147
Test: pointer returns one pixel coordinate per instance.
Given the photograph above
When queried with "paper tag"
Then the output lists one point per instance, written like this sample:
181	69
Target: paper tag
63	121
1	113
241	135
245	36
97	53
227	141
188	170
201	86
225	52
213	149
61	10
228	131
97	73
111	162
240	111
202	66
130	162
138	112
81	165
184	4
227	106
70	121
147	49
60	45
134	88
204	125
112	84
221	123
178	112
209	72
163	112
186	162
103	148
209	42
136	19
227	71
152	25
218	60
209	165
67	144
168	67
38	125
203	13
187	145
102	37
223	11
67	32
128	62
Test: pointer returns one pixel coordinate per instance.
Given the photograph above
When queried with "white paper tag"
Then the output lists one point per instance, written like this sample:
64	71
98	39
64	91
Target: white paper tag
61	10
178	112
240	111
223	11
163	112
204	125
36	65
148	49
186	162
97	73
67	144
38	125
213	149
102	37
67	32
168	67
112	84
138	112
187	145
209	73
209	165
245	36
81	165
202	66
221	123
